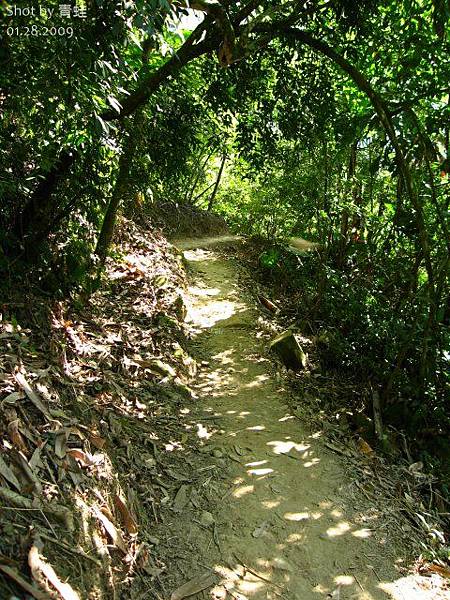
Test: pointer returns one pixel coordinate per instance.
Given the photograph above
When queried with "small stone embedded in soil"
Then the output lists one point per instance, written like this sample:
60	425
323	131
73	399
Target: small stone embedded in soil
153	540
261	530
217	453
181	498
206	519
287	346
281	564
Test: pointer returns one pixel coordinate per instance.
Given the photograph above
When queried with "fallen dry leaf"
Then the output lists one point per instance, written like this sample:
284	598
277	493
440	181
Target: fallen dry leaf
60	442
364	447
13	430
84	458
39	569
30	589
35	460
111	529
128	521
267	303
194	586
28	474
442	571
97	441
31	394
6	472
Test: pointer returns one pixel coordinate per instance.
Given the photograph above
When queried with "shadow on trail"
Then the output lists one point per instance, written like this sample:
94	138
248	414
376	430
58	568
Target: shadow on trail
285	529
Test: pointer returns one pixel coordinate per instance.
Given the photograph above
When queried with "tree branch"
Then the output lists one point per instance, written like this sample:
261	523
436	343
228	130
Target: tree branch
230	51
188	51
384	115
220	16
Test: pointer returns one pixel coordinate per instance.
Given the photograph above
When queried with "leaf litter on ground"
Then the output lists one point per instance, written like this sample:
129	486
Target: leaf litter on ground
89	395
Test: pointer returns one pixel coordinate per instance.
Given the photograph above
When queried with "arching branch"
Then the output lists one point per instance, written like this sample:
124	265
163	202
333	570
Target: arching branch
191	49
220	16
151	83
385	117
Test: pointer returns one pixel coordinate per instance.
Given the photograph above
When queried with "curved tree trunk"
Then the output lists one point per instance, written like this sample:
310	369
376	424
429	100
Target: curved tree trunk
109	220
122	185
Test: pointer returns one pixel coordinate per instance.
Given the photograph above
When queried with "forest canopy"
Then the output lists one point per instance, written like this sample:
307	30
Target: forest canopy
327	119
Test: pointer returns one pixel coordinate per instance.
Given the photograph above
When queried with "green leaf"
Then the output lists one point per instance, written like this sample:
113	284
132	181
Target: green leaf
114	103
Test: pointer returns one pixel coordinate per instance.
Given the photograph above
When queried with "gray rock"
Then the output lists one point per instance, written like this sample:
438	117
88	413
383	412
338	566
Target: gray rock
206	519
288	349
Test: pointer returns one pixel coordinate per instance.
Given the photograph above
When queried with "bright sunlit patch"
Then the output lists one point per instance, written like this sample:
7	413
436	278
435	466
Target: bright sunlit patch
244	413
339	529
362	533
311	463
299	516
225	357
284	447
243	490
257	381
270	503
256	463
199	255
286	418
344	580
336	513
259	471
412	587
294	537
208	315
202	432
199	291
256	428
228	574
250	587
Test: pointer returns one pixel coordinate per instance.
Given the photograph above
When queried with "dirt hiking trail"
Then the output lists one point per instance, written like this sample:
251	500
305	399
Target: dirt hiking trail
287	527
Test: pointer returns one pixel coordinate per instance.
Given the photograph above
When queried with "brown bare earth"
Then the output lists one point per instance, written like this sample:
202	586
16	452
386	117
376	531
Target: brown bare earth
284	520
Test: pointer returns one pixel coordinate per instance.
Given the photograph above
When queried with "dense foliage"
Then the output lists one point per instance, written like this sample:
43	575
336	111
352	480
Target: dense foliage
327	119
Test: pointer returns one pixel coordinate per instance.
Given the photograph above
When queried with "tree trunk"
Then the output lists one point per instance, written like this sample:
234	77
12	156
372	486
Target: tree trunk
109	220
122	186
189	195
344	237
216	186
325	174
31	225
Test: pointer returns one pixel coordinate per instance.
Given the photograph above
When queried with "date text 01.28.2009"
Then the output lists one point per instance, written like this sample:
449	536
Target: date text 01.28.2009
39	31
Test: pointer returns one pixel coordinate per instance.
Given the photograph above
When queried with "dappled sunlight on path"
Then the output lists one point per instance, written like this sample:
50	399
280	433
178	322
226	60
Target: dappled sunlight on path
284	529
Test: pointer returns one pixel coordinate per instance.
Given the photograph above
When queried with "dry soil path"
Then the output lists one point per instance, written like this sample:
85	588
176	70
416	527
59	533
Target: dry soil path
288	516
